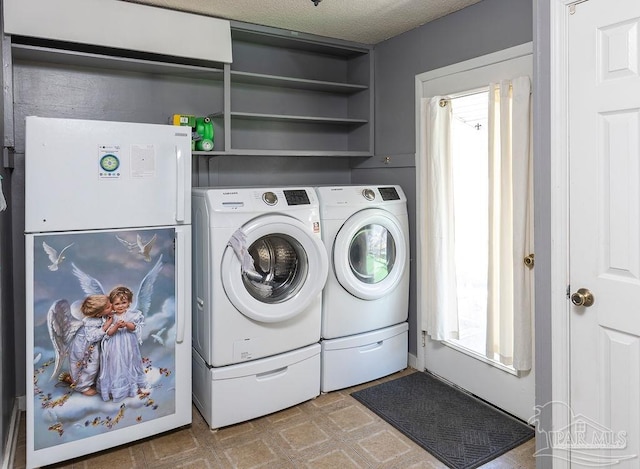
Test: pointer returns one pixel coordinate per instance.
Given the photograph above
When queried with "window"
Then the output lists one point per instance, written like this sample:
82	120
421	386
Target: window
471	193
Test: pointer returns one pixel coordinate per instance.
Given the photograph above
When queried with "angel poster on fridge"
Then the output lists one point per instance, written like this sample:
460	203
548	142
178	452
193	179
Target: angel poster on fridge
85	387
108	285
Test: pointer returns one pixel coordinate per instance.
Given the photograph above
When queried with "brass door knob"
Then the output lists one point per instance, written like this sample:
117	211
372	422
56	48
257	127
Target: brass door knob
582	297
529	261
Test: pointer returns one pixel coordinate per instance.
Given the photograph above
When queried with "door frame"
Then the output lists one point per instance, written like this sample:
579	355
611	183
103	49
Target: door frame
462	367
559	208
495	58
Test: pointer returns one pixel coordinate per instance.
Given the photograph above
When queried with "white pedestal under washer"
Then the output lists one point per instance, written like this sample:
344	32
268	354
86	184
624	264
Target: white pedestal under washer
236	393
259	269
365	230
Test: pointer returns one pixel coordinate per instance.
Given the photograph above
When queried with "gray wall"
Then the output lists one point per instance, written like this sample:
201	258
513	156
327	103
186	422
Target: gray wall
460	36
7	357
7	346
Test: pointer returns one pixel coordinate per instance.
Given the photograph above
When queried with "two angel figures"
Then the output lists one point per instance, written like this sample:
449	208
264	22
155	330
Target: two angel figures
102	343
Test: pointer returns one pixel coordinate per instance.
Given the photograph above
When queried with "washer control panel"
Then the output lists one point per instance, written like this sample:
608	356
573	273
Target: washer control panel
259	200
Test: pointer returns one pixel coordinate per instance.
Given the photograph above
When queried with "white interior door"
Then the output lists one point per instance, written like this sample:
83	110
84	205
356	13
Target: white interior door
604	162
513	393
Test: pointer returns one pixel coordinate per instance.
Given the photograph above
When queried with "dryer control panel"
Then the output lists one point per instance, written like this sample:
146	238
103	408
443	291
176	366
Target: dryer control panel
389	193
297	197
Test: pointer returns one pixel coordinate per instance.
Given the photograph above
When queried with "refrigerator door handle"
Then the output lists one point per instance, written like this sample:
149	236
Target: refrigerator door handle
181	285
180	185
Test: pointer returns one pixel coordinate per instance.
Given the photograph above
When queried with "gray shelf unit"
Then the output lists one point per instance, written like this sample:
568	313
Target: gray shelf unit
285	94
293	94
170	85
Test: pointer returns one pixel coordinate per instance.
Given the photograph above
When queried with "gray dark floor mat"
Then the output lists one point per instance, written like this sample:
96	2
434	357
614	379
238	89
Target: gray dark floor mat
460	430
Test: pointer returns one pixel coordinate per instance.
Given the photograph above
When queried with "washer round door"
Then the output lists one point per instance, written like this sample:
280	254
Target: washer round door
289	269
369	254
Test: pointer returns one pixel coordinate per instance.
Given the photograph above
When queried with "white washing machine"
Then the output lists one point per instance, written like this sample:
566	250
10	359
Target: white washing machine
259	269
365	230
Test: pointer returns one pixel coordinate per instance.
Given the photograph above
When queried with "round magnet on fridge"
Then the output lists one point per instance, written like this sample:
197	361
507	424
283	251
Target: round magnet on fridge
109	163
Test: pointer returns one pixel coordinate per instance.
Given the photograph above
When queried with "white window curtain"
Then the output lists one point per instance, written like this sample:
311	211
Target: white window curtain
510	280
438	299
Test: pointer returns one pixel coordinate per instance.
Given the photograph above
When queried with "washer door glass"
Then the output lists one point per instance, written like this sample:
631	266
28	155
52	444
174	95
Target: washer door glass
370	253
289	269
281	267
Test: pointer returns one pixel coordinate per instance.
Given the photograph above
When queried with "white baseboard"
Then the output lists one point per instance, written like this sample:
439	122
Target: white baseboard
12	440
413	361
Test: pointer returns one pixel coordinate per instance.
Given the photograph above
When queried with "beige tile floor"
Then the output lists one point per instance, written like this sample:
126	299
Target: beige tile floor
332	431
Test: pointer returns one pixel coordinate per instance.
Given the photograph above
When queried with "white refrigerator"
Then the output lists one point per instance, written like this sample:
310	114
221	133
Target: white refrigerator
107	204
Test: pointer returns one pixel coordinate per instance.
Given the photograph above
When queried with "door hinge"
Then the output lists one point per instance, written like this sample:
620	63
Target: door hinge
424	338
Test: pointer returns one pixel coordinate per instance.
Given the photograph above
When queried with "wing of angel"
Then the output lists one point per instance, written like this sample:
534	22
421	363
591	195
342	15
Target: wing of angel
62	328
89	285
127	244
143	299
145	248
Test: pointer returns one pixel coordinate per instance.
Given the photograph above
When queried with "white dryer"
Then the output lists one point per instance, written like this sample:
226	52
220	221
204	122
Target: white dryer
365	230
259	269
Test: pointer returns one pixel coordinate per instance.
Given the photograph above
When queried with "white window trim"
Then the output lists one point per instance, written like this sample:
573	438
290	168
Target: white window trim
478	356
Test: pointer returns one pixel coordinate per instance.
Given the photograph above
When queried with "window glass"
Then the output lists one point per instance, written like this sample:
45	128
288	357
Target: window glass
470	194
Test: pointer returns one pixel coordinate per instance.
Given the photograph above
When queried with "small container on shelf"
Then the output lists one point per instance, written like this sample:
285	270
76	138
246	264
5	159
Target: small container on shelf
202	133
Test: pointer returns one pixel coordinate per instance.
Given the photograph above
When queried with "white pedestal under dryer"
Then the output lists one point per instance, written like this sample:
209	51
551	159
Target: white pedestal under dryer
259	269
365	230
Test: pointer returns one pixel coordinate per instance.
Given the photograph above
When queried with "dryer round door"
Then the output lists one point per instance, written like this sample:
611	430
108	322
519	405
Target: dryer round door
369	254
289	269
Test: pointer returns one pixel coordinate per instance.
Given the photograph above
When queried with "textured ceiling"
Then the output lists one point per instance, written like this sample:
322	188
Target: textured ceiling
364	21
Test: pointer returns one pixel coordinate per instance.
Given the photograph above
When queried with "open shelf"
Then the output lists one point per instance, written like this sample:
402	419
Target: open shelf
309	119
33	53
303	153
297	94
295	83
